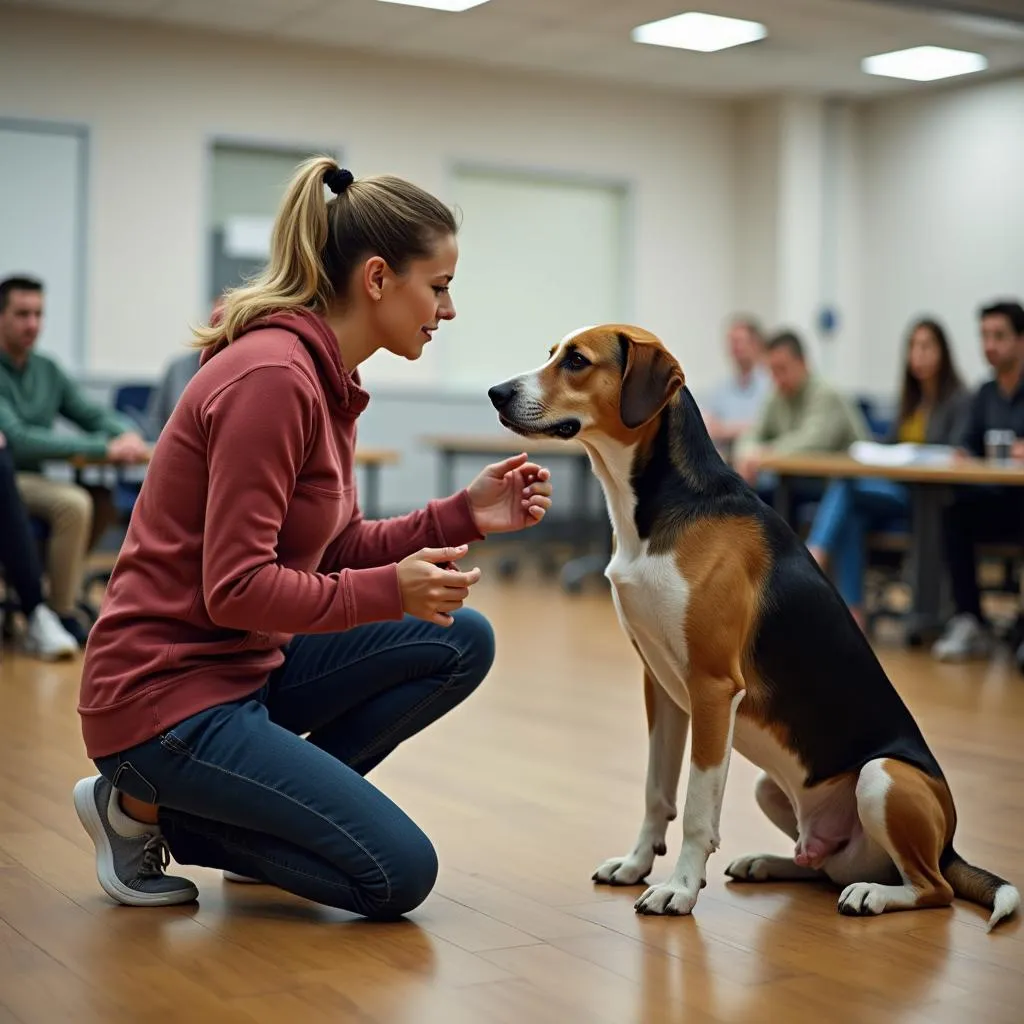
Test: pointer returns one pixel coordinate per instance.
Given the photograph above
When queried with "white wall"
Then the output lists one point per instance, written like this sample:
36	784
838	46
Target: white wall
943	217
757	208
799	205
152	99
889	210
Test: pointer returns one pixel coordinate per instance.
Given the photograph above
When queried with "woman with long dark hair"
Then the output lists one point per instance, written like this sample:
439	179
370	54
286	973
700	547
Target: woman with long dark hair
932	403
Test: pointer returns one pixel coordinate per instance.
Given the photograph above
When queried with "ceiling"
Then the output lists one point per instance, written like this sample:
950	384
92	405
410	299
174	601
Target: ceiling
812	45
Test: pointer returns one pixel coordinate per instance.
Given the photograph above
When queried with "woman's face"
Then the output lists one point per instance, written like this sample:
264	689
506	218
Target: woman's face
925	356
413	304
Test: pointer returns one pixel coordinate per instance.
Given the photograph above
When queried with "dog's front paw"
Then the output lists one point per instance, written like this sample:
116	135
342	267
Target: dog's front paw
627	870
671	897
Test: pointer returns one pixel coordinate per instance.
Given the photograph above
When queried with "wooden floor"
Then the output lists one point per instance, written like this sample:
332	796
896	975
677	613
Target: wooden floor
524	790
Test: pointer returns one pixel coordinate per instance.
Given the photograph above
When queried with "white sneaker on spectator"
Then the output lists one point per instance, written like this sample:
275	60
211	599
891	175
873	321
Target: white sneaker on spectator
46	638
964	638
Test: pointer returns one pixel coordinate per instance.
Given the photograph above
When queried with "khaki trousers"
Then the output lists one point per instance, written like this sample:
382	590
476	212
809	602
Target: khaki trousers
71	512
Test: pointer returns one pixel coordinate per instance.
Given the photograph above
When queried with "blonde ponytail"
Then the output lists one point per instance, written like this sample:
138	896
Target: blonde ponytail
315	243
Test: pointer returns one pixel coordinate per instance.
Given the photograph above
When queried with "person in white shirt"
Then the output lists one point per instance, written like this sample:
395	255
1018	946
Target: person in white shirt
736	403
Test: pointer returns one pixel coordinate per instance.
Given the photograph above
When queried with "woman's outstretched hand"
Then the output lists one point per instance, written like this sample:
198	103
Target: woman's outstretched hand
431	591
510	495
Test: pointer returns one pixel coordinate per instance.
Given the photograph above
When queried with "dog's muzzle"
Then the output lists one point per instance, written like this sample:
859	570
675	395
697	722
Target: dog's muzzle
504	398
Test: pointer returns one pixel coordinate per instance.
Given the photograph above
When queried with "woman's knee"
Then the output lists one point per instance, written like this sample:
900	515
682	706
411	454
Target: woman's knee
407	881
473	635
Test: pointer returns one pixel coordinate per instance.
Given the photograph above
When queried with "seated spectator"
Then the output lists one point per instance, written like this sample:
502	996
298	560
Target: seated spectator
804	414
178	372
34	391
932	407
977	514
733	407
45	637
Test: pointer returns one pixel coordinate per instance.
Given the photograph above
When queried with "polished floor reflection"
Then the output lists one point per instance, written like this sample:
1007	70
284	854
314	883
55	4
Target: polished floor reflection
524	790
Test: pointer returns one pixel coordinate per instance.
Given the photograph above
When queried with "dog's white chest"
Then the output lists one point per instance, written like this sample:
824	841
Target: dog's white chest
650	597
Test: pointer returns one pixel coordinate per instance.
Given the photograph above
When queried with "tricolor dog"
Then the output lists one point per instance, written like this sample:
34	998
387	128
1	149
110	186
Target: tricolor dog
746	642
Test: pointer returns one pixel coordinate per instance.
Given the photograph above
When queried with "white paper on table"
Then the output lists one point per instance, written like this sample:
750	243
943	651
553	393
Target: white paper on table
871	453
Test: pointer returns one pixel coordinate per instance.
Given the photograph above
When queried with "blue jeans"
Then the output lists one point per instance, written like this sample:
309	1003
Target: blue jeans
847	511
240	789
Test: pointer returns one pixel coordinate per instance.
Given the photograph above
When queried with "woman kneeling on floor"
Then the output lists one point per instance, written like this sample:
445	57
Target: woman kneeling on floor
261	646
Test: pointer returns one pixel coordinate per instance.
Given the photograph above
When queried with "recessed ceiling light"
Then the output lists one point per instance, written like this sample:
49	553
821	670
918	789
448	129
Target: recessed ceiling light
438	5
924	63
696	31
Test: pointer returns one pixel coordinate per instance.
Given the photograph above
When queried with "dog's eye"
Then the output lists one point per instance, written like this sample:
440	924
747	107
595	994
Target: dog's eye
575	362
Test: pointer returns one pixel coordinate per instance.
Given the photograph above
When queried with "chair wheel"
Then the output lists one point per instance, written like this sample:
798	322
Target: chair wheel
549	567
508	568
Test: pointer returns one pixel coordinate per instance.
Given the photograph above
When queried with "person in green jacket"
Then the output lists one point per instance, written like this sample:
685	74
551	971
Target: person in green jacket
34	393
804	414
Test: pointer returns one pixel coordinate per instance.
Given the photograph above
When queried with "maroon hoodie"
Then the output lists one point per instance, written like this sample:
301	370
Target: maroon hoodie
246	532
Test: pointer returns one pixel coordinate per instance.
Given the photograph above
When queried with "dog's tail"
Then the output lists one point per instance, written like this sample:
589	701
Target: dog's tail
979	886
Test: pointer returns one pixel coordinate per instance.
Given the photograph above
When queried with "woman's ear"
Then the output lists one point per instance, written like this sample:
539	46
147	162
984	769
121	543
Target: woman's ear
374	273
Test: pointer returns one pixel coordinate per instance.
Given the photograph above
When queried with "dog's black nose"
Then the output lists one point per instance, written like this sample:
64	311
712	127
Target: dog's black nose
501	394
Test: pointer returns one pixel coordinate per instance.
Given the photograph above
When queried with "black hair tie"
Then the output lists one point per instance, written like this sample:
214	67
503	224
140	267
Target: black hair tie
337	179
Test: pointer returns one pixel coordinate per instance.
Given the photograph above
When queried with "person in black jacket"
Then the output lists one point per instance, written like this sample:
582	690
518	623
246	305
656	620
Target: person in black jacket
979	513
45	637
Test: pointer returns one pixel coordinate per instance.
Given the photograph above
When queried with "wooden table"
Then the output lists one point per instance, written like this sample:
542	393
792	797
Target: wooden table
927	485
370	459
452	447
84	461
834	466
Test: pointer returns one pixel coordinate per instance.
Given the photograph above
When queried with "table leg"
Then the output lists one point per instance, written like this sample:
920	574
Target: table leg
576	571
783	499
371	505
447	473
926	562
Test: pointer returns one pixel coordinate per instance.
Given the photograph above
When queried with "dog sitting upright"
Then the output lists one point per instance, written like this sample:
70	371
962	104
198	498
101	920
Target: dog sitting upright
744	638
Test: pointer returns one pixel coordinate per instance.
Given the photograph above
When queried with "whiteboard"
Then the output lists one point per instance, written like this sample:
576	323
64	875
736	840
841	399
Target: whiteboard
42	210
539	256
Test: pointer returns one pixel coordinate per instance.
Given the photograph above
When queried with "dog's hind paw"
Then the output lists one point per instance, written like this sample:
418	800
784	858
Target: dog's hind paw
867	898
767	867
627	870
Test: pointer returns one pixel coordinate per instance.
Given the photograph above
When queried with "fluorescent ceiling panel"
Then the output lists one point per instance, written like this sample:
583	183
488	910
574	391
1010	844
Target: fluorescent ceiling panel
924	63
696	31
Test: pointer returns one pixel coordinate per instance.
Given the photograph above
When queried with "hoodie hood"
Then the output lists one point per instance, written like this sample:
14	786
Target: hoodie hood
341	386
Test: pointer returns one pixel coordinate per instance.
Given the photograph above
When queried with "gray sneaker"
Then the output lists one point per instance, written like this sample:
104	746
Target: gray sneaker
130	855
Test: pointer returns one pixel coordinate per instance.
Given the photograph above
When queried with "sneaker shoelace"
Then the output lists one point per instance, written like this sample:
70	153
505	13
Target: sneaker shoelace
156	856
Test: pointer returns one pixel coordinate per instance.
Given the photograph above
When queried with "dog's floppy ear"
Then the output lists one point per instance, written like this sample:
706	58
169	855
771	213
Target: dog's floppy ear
650	379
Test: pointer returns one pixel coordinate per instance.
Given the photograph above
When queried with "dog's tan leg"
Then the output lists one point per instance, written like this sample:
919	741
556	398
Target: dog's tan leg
910	815
713	714
667	724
